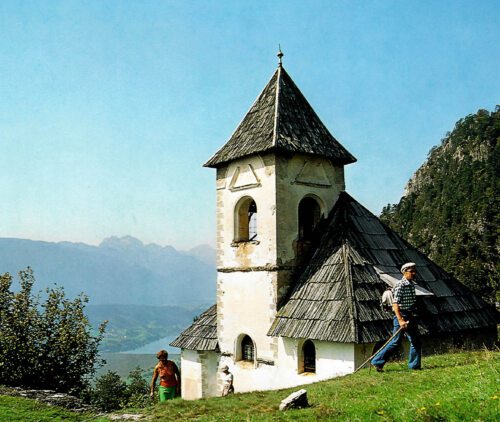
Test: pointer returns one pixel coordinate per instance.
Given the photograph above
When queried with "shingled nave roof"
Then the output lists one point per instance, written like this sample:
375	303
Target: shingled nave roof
281	120
201	334
337	297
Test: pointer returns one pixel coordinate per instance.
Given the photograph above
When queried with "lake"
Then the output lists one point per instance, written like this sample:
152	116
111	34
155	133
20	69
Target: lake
155	346
144	357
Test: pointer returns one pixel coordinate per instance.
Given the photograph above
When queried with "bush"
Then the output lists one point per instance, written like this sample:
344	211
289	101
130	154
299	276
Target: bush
45	344
138	389
112	393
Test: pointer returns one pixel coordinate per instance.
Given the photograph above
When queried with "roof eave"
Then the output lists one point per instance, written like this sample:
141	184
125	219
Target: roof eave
214	163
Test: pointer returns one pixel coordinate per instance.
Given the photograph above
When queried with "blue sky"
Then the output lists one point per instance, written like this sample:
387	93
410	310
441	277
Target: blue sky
108	109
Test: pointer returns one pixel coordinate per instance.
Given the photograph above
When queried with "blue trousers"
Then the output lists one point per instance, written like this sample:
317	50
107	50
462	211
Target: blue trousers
415	356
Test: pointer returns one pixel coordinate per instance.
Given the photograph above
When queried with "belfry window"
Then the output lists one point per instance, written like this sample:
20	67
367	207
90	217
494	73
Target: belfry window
246	220
309	354
309	216
247	349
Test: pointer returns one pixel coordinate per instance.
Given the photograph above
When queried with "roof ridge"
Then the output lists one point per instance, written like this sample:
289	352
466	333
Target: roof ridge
350	288
276	106
243	118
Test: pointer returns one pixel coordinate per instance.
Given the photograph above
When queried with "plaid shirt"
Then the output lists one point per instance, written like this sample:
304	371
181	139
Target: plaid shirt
404	294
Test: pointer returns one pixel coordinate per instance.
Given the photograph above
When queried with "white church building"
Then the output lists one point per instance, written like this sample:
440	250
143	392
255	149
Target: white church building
301	264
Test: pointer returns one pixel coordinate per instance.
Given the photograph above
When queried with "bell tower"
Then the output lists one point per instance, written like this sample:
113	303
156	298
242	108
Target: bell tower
279	174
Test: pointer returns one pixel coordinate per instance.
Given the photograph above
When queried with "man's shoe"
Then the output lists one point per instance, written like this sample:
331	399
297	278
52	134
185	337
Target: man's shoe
379	368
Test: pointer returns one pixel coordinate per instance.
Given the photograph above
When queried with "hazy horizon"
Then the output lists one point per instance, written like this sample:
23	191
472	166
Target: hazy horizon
110	237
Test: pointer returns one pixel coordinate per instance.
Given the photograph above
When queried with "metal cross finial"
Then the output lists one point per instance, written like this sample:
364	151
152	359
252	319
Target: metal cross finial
280	55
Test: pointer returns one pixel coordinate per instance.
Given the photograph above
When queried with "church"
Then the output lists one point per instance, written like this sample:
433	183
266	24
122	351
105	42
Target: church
301	265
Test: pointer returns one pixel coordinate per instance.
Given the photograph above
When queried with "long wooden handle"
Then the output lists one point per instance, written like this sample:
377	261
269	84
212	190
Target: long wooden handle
385	344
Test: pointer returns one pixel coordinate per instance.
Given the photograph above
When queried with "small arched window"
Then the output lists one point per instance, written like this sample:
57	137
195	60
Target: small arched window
246	220
309	353
309	216
247	349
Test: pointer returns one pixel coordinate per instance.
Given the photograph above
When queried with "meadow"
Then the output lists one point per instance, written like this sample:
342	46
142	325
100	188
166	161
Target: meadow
461	386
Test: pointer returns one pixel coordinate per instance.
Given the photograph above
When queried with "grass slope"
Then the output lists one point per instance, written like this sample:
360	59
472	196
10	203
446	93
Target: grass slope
13	409
452	387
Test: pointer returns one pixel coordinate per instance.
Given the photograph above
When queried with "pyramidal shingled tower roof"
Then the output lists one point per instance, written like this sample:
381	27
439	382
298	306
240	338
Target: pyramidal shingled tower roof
281	120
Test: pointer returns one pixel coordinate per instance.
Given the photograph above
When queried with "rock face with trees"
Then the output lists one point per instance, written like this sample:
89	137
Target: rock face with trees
450	209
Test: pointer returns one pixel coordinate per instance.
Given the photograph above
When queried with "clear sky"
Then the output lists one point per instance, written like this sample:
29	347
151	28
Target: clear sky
108	109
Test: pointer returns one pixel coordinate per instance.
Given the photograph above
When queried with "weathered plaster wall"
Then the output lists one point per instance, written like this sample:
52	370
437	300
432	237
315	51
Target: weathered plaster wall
332	360
210	365
199	374
191	375
298	177
254	177
246	305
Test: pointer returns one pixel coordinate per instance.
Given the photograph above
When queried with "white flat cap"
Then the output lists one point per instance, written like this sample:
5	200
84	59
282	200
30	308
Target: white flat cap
224	368
407	266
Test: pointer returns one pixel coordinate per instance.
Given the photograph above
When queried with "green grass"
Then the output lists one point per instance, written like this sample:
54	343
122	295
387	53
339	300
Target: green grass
453	387
13	409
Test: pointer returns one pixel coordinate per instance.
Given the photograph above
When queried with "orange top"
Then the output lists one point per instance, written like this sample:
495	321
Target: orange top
167	373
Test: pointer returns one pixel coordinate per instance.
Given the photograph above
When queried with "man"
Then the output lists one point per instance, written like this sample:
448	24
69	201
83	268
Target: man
170	377
403	306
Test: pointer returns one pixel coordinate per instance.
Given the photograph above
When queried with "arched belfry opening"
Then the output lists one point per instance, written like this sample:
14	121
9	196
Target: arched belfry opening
309	217
245	220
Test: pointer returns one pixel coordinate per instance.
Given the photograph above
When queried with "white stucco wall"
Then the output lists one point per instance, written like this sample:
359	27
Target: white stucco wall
246	305
199	374
191	375
210	367
332	360
249	177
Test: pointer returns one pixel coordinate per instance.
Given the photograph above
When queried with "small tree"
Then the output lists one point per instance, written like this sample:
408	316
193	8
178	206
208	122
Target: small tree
46	344
138	389
110	392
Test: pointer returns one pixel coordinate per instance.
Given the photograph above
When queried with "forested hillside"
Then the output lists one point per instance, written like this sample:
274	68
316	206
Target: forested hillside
450	209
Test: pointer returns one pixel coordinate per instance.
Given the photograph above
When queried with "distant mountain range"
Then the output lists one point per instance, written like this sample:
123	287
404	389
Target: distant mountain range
118	271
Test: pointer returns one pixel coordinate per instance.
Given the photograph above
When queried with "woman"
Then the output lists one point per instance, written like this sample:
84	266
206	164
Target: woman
170	377
227	381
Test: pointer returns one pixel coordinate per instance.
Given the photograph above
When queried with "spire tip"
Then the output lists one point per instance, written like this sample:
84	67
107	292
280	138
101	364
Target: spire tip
280	55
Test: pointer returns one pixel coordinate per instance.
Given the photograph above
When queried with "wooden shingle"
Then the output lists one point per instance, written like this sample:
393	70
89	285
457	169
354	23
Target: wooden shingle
281	120
201	334
341	301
